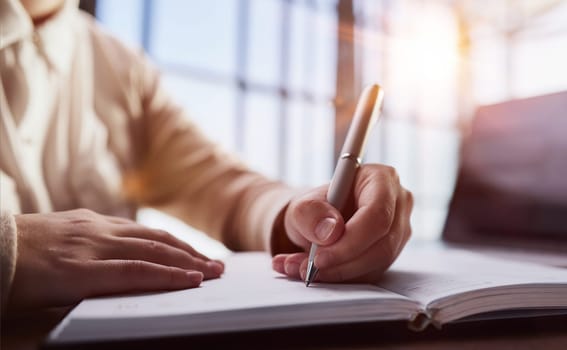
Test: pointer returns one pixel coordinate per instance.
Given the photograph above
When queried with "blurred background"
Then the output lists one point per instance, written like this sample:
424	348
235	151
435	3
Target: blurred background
277	80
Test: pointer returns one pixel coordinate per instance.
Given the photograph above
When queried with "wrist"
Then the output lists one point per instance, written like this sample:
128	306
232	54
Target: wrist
279	240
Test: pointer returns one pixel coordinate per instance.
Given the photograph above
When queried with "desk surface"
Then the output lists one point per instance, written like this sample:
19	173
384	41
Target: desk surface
27	332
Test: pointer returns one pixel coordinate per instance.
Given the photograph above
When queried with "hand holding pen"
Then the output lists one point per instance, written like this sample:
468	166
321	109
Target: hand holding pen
355	228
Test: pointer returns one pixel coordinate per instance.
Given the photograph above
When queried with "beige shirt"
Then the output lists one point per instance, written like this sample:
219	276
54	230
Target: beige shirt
86	124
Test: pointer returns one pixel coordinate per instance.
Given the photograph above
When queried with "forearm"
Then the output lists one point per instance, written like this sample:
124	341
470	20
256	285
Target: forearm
219	196
185	174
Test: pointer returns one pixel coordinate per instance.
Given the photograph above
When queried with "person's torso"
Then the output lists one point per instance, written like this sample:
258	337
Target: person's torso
67	124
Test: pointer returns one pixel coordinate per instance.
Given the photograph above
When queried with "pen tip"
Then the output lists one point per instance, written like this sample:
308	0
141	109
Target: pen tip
311	272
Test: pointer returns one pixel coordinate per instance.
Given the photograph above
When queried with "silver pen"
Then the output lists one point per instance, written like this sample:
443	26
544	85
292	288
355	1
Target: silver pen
365	116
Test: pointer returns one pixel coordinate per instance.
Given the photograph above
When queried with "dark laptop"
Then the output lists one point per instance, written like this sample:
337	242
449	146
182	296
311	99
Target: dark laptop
511	189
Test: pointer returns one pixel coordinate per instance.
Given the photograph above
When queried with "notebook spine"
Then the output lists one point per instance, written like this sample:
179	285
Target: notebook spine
419	321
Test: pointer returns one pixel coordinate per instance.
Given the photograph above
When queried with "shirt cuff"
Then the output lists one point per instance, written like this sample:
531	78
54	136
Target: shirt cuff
8	251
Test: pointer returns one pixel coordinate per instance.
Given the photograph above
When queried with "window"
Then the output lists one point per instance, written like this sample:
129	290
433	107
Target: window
239	67
438	60
260	76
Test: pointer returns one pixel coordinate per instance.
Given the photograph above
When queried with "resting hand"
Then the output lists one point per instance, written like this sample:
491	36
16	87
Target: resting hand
64	257
376	229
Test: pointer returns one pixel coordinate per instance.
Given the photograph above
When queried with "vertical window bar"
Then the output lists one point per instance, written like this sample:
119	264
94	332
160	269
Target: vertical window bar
384	13
284	95
241	58
146	23
346	91
307	118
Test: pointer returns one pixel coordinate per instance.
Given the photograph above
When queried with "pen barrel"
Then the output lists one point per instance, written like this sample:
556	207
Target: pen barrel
365	116
341	185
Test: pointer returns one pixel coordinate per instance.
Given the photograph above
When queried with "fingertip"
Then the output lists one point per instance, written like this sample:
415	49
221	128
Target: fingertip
292	269
329	229
215	267
325	229
316	220
194	278
278	263
303	272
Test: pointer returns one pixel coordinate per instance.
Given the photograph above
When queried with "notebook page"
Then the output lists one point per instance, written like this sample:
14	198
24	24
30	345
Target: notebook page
248	283
427	274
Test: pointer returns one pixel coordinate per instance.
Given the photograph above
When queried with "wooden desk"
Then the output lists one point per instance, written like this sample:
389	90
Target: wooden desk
27	332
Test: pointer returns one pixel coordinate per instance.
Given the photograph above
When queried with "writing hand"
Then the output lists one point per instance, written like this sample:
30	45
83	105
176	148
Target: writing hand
377	227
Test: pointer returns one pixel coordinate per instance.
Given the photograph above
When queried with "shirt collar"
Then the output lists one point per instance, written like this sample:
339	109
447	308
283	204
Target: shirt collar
15	23
57	35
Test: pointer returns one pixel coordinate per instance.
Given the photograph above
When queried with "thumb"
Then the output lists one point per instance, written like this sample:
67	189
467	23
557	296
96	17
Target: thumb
310	220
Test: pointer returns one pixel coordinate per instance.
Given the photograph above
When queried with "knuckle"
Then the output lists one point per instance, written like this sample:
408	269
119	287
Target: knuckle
134	268
152	245
306	205
82	211
390	171
384	216
84	222
387	174
85	212
163	234
156	248
388	212
409	198
195	263
170	276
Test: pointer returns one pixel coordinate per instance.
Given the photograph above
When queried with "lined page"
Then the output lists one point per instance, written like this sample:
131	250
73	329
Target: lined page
430	273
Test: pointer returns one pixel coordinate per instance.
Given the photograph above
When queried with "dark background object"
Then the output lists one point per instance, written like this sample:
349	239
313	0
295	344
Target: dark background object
88	6
512	183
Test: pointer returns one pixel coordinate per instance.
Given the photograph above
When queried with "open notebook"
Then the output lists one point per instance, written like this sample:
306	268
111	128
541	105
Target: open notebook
425	286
